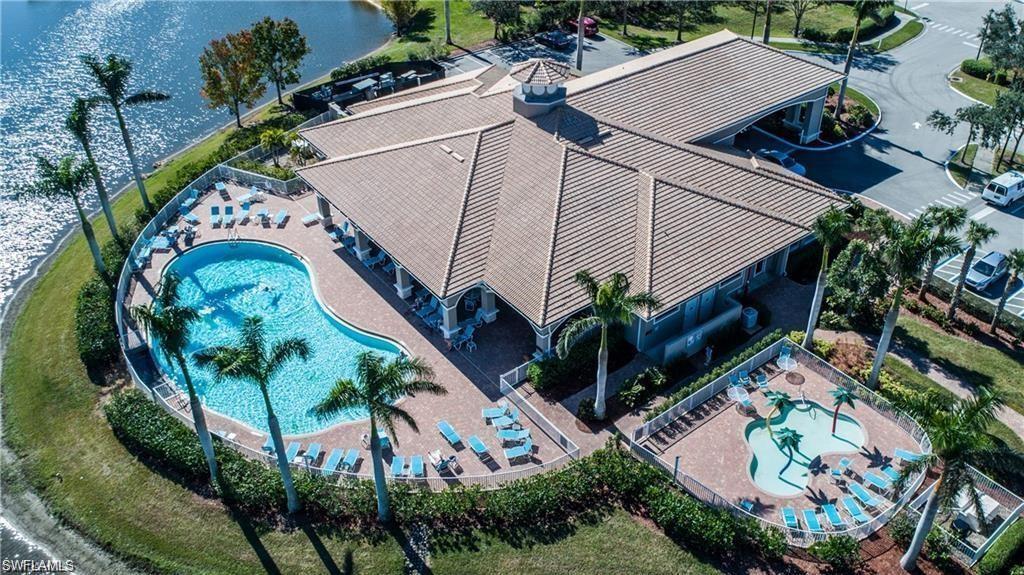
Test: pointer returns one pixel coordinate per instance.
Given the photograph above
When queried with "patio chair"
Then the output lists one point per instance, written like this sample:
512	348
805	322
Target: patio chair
865	496
427	310
142	260
745	406
371	262
280	218
161	244
351	458
292	450
465	336
789	518
762	380
243	214
878	482
190	218
416	466
263	215
734	379
811	520
398	466
510	420
513	435
332	462
220	187
312	453
854	510
268	445
476	321
832	514
449	433
188	202
747	505
744	377
904	456
520	451
229	216
251	195
214	216
389	267
495	412
310	219
479	448
891	473
336	234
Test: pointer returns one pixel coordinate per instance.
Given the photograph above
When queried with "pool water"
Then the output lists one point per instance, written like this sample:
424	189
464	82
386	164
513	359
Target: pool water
771	467
227	282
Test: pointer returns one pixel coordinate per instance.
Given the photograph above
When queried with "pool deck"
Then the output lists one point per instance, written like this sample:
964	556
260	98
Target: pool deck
712	447
366	299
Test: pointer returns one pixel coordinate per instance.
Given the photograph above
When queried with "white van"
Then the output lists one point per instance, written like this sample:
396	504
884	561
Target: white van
1002	191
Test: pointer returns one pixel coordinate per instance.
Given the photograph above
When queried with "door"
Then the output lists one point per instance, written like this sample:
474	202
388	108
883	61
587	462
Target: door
707	304
690	313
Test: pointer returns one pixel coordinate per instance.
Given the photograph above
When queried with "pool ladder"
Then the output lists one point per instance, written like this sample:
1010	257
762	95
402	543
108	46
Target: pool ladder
233	237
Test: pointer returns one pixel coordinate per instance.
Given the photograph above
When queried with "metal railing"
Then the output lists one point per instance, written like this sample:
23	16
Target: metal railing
507	384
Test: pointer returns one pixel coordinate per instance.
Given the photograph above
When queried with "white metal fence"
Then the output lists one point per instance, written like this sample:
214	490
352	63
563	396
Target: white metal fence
507	384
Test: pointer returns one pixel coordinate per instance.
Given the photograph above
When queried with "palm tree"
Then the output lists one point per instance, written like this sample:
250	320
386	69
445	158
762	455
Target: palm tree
861	10
977	235
112	77
829	228
1016	265
254	361
579	38
68	178
275	140
957	430
904	250
77	122
612	305
946	220
379	383
841	396
447	22
170	322
789	440
777	401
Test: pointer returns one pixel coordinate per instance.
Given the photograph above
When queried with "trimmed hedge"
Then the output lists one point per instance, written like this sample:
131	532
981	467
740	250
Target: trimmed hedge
95	332
1005	552
982	68
359	67
868	28
719	370
557	376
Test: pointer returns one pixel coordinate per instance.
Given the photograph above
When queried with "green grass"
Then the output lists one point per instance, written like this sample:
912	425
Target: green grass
905	34
797	46
618	544
860	98
900	37
958	167
976	88
469	29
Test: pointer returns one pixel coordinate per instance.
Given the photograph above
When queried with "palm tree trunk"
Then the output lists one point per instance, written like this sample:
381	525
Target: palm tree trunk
602	374
90	238
282	463
958	292
579	38
963	156
1016	145
753	25
767	21
1002	151
447	22
928	275
680	20
768	421
101	191
1002	302
199	419
796	25
835	419
883	343
846	68
819	295
131	158
625	15
379	483
924	526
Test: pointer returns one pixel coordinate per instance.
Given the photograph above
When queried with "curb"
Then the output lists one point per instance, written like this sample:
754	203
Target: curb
952	86
945	166
831	146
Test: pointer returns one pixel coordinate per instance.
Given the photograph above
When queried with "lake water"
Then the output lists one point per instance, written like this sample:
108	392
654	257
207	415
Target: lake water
40	75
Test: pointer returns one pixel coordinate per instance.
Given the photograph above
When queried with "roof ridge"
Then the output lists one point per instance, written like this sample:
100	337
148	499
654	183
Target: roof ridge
732	202
649	272
783	52
554	237
462	216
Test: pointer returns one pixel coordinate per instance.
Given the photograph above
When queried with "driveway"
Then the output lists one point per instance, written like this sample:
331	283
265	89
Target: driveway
599	52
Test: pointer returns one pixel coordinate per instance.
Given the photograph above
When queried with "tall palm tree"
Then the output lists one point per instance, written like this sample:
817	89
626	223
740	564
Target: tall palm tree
977	235
77	122
946	221
579	38
170	322
276	140
841	396
612	305
861	10
256	362
829	228
112	76
378	384
1016	266
788	439
447	22
777	401
68	178
957	430
904	249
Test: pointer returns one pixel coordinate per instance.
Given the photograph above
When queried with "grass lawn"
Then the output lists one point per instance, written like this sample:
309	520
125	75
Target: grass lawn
908	32
976	87
469	28
901	36
958	167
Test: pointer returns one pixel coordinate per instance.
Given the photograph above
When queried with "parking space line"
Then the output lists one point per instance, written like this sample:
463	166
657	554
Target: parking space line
983	213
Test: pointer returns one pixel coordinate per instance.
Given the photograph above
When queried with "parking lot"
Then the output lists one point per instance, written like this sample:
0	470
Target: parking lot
949	271
599	52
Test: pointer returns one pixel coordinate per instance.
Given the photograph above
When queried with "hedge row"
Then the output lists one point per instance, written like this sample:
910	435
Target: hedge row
578	368
718	371
868	28
984	69
608	477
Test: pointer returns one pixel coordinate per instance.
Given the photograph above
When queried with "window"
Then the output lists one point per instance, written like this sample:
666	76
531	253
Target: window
759	268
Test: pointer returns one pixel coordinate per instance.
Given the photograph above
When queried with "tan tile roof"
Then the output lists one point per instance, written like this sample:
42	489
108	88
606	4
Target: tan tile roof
540	72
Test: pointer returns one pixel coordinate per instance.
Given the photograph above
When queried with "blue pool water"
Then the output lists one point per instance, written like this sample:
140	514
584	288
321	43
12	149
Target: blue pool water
229	282
771	468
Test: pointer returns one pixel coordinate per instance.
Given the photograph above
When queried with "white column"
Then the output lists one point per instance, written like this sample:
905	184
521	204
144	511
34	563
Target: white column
324	208
812	121
543	341
449	319
362	245
793	117
783	262
489	305
403	282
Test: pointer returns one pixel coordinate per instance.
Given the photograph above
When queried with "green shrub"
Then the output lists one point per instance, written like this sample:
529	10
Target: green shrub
869	28
982	68
558	376
585	410
841	552
636	390
815	35
832	320
1017	570
144	428
271	171
359	67
1005	552
95	330
859	116
821	348
901	529
939	549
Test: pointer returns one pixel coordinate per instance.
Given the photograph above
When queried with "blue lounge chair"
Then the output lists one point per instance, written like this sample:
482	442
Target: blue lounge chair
844	465
220	187
144	254
193	195
832	514
312	453
416	466
744	377
161	244
476	321
214	215
280	218
495	412
891	473
734	379
268	445
507	420
811	520
904	455
449	432
524	450
243	214
263	215
229	215
464	337
398	466
385	441
747	505
864	495
762	381
479	448
374	260
428	310
878	481
292	450
351	458
789	518
854	510
332	462
513	435
389	267
190	218
335	234
310	218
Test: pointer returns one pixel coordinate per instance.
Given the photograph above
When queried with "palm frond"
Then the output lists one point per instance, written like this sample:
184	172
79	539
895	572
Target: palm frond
389	413
343	395
587	282
145	97
286	349
575	331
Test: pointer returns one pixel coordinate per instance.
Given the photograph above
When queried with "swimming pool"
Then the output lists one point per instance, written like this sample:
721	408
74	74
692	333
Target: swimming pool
227	282
771	468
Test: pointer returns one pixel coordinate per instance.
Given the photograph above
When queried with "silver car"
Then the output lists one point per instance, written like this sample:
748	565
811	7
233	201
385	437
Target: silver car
783	159
986	270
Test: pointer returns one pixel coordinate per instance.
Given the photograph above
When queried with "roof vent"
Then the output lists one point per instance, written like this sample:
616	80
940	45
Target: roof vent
540	86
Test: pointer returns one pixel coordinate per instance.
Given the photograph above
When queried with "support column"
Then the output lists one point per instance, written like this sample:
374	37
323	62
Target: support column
403	282
362	245
793	117
812	121
324	208
449	319
489	304
783	262
543	341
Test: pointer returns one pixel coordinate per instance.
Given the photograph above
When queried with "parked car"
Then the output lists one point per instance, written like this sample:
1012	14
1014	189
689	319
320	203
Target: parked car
986	271
1002	191
783	159
589	26
554	39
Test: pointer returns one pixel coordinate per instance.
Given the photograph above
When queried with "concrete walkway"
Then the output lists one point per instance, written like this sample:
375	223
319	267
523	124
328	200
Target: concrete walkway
925	366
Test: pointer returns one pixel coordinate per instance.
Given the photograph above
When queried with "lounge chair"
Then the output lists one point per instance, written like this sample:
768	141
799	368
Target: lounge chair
161	244
263	215
864	495
464	337
891	473
854	510
877	481
513	435
832	514
190	218
398	466
268	445
904	455
520	451
312	453
507	420
811	520
351	458
243	214
332	462
292	450
495	412
747	505
762	380
336	234
215	216
188	202
427	310
744	377
280	218
389	267
479	448
476	321
374	260
422	293
449	432
416	466
220	187
229	215
734	378
310	218
251	196
789	518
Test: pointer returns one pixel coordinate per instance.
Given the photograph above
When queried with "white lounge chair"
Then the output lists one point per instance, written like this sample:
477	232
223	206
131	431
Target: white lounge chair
214	216
310	218
229	215
280	218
